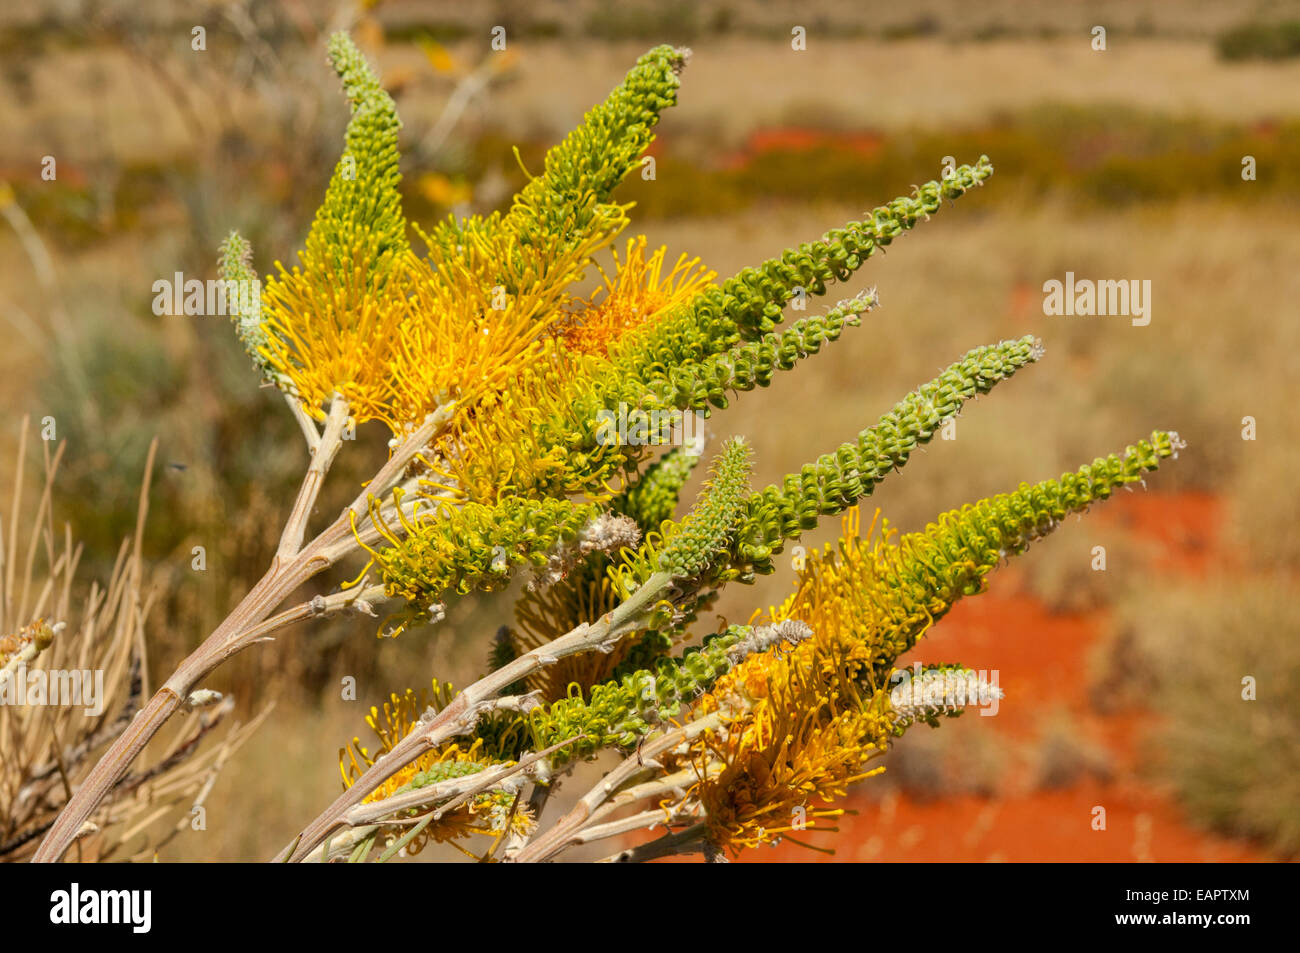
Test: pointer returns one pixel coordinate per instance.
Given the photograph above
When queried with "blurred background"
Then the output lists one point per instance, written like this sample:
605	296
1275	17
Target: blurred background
1124	686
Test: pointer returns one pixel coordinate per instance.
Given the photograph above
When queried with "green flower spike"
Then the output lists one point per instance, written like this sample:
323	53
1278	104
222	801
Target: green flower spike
838	480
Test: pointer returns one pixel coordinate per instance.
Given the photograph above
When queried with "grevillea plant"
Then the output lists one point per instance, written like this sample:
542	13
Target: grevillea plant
499	382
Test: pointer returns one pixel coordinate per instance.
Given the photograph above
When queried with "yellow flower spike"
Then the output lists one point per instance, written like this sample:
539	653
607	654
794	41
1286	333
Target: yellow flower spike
397	335
844	594
330	321
806	722
324	344
374	506
497	450
535	359
486	813
479	313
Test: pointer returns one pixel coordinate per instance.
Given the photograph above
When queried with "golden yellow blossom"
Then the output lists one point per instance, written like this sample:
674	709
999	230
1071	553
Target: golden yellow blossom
328	340
797	730
638	292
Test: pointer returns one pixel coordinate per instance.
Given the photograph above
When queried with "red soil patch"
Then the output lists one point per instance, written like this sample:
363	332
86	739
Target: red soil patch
1042	663
1039	826
1181	531
795	139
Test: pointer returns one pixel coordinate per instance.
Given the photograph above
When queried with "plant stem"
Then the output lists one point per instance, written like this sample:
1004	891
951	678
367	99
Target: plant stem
288	571
295	528
466	708
690	841
305	423
565	832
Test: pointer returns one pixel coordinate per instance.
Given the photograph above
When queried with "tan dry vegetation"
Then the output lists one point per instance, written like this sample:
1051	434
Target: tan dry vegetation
736	85
95	102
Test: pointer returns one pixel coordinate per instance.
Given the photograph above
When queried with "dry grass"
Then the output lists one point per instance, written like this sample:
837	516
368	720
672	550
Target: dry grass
1185	652
860	83
49	745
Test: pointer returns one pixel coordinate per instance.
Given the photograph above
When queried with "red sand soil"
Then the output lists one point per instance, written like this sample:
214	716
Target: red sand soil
1043	657
797	139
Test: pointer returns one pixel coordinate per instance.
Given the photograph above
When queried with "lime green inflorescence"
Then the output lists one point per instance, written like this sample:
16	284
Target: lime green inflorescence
953	556
749	304
755	363
571	199
621	710
681	361
754	298
840	479
235	263
582	171
697	541
476	546
360	224
444	771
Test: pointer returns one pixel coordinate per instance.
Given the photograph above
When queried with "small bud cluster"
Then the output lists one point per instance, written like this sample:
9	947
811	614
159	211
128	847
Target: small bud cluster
707	530
477	546
28	642
623	709
941	691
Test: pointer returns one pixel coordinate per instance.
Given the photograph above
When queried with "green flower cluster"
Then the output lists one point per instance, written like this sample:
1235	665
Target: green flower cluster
754	298
755	363
838	480
441	771
582	171
749	304
623	709
952	557
698	540
360	231
235	263
476	546
689	358
571	200
685	549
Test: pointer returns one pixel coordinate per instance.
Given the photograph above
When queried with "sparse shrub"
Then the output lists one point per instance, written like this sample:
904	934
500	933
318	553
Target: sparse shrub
1062	573
961	759
1266	535
1063	756
1233	759
1260	41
